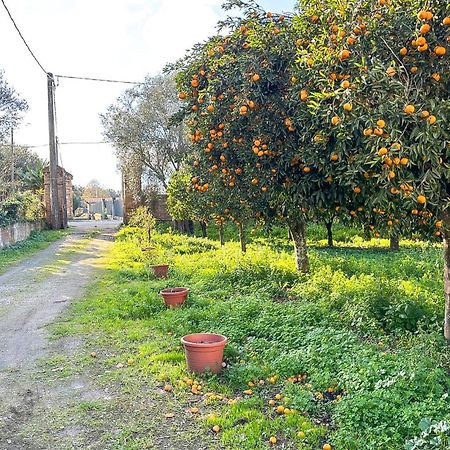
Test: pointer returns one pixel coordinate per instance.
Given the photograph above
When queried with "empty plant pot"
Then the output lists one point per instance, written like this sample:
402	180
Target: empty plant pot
204	351
160	270
174	297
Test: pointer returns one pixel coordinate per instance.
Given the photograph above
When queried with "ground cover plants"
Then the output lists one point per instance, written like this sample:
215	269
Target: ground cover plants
349	355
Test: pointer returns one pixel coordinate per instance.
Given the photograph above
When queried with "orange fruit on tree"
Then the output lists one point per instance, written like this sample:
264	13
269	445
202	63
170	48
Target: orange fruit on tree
381	123
436	76
344	54
425	28
255	77
383	151
303	94
210	108
194	83
403	51
335	120
378	131
243	110
357	190
182	95
348	107
391	71
409	109
334	157
345	84
255	181
446	21
404	161
421	199
306	169
432	119
440	51
368	132
424	113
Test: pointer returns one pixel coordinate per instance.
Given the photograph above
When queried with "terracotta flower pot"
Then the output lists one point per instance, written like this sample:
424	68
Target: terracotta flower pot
204	351
160	270
174	297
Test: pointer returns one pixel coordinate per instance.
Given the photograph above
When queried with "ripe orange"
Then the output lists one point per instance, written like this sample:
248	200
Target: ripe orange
194	83
334	157
194	410
306	169
272	440
383	151
344	54
255	77
391	71
436	76
348	107
440	51
403	51
216	428
446	21
345	84
210	108
303	95
255	181
424	114
280	409
326	447
409	109
425	28
378	132
243	110
404	161
391	175
335	120
182	95
421	199
414	69
381	123
368	132
432	120
271	402
357	190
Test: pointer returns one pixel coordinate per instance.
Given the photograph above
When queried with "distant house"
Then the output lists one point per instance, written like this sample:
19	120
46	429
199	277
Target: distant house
111	207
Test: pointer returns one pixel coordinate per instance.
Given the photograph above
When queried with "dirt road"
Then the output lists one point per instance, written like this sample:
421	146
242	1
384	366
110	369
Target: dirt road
33	294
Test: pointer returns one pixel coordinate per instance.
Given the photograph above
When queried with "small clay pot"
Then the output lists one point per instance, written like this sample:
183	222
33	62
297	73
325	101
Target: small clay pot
174	297
204	351
160	270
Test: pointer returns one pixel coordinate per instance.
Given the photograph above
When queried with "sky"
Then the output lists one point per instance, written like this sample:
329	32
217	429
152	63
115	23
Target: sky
113	39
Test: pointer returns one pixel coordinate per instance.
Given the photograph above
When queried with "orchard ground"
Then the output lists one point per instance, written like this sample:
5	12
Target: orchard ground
350	354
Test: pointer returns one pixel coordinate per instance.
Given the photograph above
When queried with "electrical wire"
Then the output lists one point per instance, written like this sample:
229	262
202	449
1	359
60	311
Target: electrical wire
64	143
97	79
23	39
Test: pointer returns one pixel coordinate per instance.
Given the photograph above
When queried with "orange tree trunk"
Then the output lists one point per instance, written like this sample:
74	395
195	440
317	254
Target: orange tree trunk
297	229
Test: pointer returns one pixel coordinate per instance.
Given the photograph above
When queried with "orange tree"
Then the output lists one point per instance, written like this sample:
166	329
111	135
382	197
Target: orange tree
236	89
372	83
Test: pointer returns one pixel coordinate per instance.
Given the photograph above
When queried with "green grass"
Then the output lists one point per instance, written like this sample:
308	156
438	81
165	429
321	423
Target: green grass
362	331
37	241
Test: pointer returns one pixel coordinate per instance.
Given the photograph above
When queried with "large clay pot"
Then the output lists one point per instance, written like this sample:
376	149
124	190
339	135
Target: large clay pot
204	351
160	270
174	297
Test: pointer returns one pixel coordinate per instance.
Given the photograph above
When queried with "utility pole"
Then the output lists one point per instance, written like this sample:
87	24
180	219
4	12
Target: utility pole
54	201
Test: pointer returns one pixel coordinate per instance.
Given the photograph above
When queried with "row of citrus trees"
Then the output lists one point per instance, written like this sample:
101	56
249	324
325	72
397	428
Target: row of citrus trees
342	109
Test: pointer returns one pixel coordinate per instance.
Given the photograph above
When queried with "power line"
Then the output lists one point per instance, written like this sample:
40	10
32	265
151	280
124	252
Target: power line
64	143
23	39
97	79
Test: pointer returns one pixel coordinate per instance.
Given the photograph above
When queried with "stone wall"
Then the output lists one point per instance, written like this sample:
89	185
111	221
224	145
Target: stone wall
18	232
